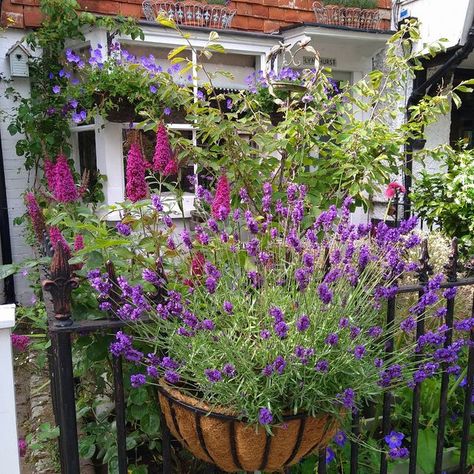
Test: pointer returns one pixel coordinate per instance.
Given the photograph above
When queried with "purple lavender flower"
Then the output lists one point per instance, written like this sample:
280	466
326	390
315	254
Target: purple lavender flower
359	352
211	284
408	325
228	307
302	323
347	398
265	334
302	278
156	201
279	364
281	329
123	229
229	370
450	293
213	375
186	237
308	260
324	293
322	366
172	377
265	416
355	331
332	339
137	380
343	323
375	331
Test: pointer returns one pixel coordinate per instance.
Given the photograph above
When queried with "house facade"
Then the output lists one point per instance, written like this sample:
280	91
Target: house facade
248	32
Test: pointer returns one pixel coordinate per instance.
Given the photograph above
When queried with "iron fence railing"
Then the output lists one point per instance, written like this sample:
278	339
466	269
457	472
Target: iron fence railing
61	282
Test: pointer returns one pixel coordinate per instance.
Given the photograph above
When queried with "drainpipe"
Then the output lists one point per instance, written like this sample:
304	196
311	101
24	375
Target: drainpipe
9	285
420	88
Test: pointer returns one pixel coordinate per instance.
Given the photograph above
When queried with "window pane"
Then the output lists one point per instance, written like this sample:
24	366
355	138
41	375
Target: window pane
87	155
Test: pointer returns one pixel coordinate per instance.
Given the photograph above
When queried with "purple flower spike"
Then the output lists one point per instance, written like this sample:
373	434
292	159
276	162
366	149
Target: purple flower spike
302	323
213	375
137	380
265	416
332	339
228	307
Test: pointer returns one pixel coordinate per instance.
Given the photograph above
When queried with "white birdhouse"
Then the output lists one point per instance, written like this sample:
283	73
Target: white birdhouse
19	57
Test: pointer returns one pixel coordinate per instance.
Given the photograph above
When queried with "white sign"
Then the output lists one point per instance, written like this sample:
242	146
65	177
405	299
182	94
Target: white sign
324	62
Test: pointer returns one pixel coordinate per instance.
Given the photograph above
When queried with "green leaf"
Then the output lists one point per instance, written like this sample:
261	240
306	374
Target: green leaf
426	450
176	51
7	270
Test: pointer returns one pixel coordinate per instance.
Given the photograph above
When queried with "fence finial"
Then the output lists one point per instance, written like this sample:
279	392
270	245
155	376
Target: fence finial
425	269
451	267
60	286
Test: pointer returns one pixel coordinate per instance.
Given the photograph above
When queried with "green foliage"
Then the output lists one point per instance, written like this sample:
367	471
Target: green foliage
446	198
352	3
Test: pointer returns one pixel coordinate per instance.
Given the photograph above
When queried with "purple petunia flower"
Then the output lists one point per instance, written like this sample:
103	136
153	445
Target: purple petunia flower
265	416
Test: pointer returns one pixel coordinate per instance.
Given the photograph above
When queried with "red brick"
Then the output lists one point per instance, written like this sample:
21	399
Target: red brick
255	24
244	9
286	15
240	22
32	16
384	4
271	26
296	4
130	9
106	7
260	11
12	20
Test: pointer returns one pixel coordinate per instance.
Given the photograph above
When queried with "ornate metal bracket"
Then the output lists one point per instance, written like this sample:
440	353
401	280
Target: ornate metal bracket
451	267
425	269
60	285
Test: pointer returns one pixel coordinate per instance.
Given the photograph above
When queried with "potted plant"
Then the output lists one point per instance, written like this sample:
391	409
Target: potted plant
209	14
270	331
361	14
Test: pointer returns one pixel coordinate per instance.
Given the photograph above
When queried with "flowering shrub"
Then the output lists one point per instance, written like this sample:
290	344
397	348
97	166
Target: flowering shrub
266	316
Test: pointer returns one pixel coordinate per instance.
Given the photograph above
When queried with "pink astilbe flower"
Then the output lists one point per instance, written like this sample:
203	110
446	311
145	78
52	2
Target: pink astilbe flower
57	239
137	187
61	181
220	206
78	242
393	188
163	155
35	214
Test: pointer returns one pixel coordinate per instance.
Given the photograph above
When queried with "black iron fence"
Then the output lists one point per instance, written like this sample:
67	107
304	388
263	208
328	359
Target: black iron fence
61	282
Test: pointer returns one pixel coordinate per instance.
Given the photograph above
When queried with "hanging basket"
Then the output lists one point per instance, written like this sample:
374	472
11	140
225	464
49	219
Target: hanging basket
216	436
190	13
121	111
360	18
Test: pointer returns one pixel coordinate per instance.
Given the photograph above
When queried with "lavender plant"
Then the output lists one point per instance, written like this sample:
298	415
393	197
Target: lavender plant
267	316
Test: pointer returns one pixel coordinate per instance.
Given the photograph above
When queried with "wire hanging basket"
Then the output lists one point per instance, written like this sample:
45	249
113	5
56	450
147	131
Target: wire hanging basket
360	18
190	13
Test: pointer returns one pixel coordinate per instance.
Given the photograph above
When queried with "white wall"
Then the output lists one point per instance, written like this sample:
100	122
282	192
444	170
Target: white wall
15	175
440	19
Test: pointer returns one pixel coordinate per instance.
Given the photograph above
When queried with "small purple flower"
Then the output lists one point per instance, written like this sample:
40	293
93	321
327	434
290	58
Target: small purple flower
340	438
330	455
359	352
307	99
186	237
325	294
228	307
208	325
211	284
375	331
347	398
167	111
394	439
343	323
279	364
450	293
281	329
408	325
265	334
322	366
152	372
156	201
123	229
399	453
56	89
229	370
302	323
265	416
153	89
213	375
172	377
137	380
332	339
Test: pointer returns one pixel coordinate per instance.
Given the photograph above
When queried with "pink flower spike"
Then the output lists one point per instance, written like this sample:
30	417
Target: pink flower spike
78	243
137	187
57	239
220	206
63	187
163	155
20	342
35	214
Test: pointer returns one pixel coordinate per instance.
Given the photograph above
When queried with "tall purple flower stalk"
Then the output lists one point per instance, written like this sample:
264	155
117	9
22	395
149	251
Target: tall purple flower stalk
164	160
221	204
35	214
60	180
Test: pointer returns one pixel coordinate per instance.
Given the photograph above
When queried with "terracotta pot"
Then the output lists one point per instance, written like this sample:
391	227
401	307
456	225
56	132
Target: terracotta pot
216	436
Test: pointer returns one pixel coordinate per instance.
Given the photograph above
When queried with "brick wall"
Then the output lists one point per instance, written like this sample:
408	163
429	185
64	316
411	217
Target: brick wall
252	15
